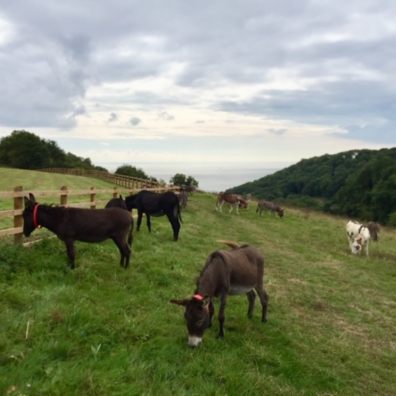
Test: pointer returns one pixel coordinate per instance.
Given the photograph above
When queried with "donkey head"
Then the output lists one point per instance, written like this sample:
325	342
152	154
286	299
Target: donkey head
28	222
357	244
130	202
117	203
198	317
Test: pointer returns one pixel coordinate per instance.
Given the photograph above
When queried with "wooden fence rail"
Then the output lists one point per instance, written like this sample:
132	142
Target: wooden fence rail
63	193
120	180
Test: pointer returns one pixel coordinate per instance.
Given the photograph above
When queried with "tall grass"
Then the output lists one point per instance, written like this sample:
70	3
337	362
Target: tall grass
103	330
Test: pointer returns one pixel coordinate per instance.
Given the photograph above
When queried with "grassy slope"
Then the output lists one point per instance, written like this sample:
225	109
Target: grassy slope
33	180
101	330
9	178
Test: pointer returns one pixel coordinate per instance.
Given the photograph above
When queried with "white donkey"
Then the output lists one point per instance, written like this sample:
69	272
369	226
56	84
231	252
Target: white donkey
359	235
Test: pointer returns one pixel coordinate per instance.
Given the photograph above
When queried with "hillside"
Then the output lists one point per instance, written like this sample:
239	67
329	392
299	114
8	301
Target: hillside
103	330
357	183
29	179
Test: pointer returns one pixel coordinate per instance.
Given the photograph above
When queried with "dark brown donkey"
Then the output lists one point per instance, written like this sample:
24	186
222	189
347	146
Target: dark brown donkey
74	224
120	203
235	271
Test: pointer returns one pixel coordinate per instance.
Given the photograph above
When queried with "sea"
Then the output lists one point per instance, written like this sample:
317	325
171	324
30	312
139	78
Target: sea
217	181
211	177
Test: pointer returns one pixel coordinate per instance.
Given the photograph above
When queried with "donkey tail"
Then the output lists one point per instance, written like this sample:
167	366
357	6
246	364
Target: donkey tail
231	244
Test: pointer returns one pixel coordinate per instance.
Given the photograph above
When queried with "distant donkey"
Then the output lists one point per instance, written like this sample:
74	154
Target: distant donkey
233	200
271	206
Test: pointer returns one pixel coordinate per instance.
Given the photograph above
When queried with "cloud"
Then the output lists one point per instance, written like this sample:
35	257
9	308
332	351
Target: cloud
134	121
163	115
113	117
343	104
332	66
278	132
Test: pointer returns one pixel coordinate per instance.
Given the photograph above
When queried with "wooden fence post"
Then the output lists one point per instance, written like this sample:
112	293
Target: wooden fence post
63	196
92	198
18	219
115	192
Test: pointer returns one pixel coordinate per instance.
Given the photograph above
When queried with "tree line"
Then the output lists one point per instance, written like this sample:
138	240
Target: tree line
358	183
25	150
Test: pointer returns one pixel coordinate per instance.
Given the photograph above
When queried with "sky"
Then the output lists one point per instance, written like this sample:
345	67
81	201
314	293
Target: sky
200	86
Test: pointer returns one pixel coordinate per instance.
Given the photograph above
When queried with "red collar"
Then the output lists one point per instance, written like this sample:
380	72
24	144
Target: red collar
35	215
198	297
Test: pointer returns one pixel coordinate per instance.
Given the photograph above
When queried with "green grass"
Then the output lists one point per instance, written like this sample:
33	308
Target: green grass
41	181
102	330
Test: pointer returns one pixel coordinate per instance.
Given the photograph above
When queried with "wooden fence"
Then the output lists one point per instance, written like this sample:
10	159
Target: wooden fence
119	180
63	195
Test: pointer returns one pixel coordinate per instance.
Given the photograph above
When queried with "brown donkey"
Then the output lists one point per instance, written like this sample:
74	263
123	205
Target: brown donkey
236	271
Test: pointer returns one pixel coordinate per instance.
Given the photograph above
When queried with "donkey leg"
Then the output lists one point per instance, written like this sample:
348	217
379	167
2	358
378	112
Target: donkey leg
223	301
175	223
211	312
127	255
139	220
70	252
251	298
148	220
264	301
130	236
121	244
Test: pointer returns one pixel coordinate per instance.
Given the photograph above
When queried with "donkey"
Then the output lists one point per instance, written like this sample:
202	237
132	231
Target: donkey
236	271
233	200
120	203
156	204
359	235
116	203
262	205
183	198
75	224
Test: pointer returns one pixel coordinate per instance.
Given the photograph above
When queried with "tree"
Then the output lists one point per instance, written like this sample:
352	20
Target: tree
129	170
180	179
25	150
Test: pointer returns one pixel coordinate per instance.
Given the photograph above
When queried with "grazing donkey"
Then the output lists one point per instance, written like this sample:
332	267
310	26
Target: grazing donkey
235	271
359	235
233	200
183	198
75	224
156	204
263	205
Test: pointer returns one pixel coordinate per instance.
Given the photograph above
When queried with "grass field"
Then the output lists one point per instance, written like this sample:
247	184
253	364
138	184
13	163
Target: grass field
102	330
33	180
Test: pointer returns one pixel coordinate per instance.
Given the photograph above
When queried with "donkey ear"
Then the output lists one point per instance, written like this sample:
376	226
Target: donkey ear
26	201
32	198
180	302
121	197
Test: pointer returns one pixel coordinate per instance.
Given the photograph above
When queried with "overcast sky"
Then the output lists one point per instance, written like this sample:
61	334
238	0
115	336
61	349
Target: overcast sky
190	83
